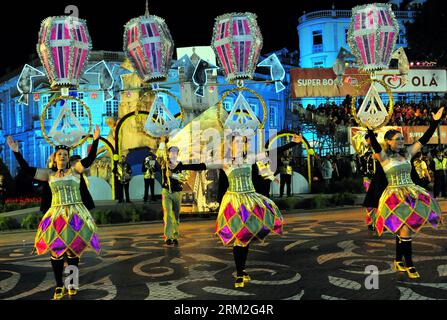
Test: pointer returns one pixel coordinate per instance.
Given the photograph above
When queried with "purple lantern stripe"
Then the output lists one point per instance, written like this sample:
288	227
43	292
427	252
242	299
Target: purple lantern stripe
246	27
150	31
84	36
222	31
154	28
228	56
363	21
236	46
59	31
78	34
241	56
240	27
388	18
60	57
365	48
247	52
153	57
223	58
156	62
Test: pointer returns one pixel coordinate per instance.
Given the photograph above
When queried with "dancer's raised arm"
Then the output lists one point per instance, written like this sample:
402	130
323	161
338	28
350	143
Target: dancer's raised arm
36	173
85	163
417	146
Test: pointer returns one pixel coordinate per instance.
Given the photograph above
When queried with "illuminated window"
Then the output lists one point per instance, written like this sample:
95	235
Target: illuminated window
317	41
49	112
19	116
272	115
318	64
81	95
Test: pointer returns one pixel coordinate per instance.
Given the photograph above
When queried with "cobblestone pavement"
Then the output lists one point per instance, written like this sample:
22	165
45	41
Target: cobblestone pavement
322	255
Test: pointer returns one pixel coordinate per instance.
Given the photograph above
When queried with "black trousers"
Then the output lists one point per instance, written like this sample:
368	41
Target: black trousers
285	179
439	185
121	192
149	183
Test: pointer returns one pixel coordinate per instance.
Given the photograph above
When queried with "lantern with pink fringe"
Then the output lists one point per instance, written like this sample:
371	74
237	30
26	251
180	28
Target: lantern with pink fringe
64	47
149	46
372	35
237	42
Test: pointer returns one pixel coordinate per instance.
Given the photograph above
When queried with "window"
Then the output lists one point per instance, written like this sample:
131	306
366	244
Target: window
81	95
74	108
318	64
49	113
317	41
78	110
198	99
112	108
346	35
19	116
272	115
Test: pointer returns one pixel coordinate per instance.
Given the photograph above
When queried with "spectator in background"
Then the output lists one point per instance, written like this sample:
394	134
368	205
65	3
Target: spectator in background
326	170
439	167
422	170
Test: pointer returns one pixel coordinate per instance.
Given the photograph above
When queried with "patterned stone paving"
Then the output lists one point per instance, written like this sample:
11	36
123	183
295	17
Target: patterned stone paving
321	256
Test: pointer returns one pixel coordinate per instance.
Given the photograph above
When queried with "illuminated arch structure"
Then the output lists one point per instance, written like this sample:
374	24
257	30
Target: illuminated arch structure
310	152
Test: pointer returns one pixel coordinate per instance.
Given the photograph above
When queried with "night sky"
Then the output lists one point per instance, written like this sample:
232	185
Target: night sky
190	22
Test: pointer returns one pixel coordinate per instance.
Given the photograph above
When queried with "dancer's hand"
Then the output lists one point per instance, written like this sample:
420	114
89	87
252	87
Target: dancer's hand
12	144
96	134
438	114
276	181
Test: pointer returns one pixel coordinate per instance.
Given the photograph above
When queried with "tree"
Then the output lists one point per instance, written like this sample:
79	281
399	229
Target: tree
427	34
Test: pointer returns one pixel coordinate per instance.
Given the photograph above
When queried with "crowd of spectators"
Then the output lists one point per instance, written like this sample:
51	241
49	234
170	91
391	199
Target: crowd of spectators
405	114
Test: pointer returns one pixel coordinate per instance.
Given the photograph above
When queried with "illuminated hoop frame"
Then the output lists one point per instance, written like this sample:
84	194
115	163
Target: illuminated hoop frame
67	98
354	102
154	93
240	89
309	150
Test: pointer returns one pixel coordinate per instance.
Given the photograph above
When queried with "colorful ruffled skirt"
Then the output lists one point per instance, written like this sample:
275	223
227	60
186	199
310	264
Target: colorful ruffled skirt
67	228
246	216
408	205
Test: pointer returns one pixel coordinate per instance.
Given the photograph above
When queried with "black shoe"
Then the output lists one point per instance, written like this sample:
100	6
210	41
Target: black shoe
168	242
371	227
175	242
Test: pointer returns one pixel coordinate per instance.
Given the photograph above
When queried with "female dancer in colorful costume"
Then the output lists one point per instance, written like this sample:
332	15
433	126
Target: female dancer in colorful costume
244	215
404	207
67	229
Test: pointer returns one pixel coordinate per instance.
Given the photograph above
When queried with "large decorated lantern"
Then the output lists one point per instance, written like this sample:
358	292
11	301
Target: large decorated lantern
149	46
64	47
237	42
372	35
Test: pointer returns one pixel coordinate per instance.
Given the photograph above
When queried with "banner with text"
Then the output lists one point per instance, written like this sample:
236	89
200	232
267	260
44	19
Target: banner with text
320	82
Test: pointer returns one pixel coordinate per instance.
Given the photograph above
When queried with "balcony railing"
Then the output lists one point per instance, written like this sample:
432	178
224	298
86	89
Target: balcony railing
405	15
